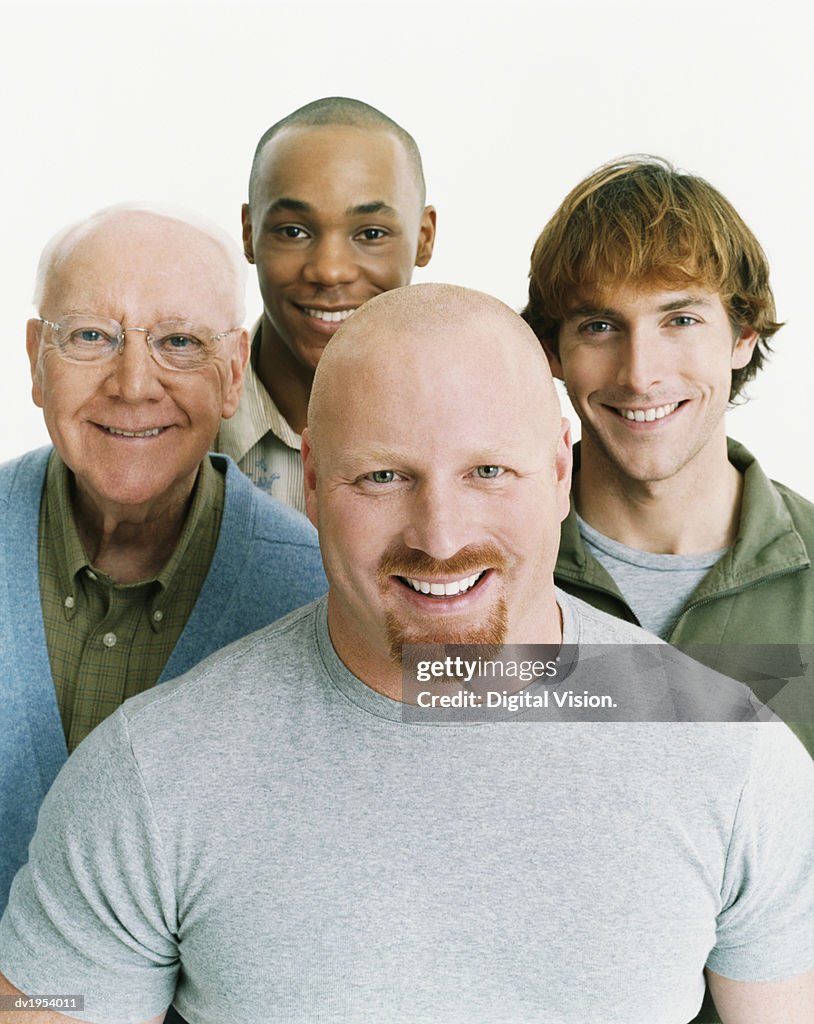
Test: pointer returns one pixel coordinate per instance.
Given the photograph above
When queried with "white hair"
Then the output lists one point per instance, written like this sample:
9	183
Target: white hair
59	247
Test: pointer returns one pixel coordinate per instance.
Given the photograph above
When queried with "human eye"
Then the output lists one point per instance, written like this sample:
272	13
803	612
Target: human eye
89	335
597	327
180	342
683	320
371	234
489	472
380	476
291	231
178	348
87	341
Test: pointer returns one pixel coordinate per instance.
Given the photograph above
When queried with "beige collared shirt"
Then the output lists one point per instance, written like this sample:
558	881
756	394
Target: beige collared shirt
261	442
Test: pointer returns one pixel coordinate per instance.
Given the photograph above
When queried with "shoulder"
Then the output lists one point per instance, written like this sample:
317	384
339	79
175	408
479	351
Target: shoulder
655	681
765	490
271	520
24	474
237	676
799	508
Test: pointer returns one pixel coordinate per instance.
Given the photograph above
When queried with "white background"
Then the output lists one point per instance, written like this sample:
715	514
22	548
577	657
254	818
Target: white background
510	103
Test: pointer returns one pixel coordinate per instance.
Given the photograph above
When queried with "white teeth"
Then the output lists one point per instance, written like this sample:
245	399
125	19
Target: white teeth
134	433
332	316
648	415
444	589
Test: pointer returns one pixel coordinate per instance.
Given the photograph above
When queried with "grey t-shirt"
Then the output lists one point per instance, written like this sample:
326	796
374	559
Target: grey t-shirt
270	837
657	587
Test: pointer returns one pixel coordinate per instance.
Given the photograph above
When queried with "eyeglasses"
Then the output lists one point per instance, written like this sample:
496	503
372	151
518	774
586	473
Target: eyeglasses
174	344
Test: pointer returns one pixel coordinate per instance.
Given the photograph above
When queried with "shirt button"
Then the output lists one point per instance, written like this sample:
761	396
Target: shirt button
158	615
109	639
69	601
91	575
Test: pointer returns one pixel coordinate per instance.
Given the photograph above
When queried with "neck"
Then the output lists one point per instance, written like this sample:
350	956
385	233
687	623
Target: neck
695	511
286	380
370	662
131	543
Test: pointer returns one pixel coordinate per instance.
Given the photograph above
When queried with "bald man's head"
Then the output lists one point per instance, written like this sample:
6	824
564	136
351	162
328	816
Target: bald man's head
139	336
424	337
437	469
125	223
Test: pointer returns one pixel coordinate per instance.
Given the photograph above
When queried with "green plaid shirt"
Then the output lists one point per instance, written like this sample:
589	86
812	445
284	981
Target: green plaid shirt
106	641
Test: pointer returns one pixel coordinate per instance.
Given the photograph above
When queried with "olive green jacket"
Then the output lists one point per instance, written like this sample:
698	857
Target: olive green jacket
753	610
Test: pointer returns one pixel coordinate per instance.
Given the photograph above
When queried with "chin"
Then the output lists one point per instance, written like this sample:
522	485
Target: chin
490	634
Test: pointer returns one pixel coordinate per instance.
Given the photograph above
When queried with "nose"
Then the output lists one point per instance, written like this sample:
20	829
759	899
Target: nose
439	525
134	373
641	365
331	262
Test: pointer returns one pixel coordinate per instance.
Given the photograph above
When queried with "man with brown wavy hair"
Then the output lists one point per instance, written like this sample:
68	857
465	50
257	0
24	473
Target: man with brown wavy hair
652	299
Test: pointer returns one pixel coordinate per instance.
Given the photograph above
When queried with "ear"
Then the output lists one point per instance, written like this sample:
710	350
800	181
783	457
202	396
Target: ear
238	361
33	337
553	359
563	463
426	237
744	347
246	230
310	478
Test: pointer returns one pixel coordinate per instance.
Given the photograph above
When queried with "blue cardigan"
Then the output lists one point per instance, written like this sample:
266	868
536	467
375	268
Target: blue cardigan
266	563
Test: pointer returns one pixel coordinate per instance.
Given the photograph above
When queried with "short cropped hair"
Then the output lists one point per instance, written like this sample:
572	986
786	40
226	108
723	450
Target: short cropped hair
641	221
340	110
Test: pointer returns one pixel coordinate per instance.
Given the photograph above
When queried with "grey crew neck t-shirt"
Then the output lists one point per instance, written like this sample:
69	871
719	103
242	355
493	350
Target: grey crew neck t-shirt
266	839
656	587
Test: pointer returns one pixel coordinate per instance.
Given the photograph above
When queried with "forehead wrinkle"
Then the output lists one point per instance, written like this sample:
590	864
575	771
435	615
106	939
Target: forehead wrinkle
138	252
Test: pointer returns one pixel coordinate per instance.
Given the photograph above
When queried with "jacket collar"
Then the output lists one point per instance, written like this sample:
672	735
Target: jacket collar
767	543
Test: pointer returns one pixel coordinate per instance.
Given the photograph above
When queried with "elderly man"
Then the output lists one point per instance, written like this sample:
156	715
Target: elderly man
126	554
329	854
335	216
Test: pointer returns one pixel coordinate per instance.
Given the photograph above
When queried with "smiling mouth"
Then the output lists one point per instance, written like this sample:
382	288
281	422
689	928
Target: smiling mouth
443	589
151	432
655	412
331	316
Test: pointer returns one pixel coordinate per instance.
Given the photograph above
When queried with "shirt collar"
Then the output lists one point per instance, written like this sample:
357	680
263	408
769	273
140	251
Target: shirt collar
70	554
256	415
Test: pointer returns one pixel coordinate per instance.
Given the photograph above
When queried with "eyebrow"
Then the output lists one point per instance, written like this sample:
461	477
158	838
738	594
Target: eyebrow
378	206
360	210
294	205
588	309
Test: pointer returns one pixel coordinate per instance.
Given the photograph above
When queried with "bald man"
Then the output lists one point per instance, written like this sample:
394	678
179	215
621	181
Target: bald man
126	554
336	851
